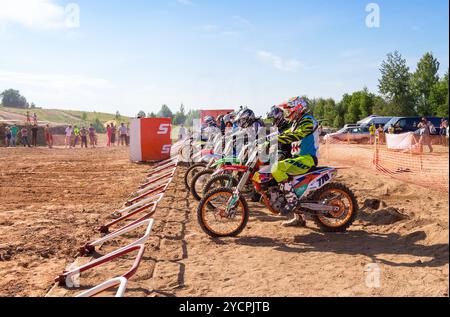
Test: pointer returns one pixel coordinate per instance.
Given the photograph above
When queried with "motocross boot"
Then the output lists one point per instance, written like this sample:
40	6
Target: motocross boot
296	221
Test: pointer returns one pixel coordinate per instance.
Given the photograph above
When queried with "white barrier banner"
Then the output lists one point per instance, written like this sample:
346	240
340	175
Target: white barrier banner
402	141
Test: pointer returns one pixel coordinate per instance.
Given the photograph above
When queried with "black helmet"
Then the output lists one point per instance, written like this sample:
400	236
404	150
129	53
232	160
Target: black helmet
246	118
277	116
209	121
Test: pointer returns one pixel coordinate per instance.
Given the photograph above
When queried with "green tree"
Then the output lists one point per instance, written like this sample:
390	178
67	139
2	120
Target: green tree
366	103
438	99
395	85
422	82
319	108
191	116
118	117
379	106
180	116
141	114
353	112
98	126
12	98
151	115
165	112
84	116
329	112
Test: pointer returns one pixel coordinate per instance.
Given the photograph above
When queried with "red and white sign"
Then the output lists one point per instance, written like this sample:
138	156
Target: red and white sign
150	139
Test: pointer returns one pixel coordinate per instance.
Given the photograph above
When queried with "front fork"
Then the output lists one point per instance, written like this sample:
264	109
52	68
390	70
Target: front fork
232	202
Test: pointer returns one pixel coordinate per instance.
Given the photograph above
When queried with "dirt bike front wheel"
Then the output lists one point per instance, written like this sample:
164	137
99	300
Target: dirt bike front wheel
191	171
198	182
338	195
217	222
218	181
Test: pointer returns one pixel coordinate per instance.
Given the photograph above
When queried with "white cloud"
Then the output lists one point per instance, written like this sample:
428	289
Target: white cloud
39	14
290	65
242	21
54	82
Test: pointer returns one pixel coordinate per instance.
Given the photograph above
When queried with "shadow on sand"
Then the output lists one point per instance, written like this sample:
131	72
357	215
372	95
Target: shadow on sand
360	243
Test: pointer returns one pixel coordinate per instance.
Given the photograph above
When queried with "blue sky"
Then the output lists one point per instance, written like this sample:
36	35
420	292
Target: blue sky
133	55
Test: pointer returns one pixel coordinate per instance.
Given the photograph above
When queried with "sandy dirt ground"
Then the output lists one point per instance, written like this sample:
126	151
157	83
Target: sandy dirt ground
407	237
51	203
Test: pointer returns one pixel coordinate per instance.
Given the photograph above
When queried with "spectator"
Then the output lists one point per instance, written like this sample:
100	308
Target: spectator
14	132
113	134
76	133
443	131
35	118
92	135
34	132
380	134
447	133
48	136
425	131
123	134
181	133
83	134
118	135
108	135
24	135
372	131
391	130
69	133
28	118
7	136
128	134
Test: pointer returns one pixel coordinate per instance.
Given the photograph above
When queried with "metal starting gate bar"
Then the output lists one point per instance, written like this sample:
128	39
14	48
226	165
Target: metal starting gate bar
172	159
138	204
158	177
159	189
151	181
66	277
89	248
152	205
143	190
121	281
162	168
151	186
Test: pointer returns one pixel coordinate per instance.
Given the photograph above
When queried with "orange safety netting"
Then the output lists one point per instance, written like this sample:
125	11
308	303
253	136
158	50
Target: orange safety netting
426	169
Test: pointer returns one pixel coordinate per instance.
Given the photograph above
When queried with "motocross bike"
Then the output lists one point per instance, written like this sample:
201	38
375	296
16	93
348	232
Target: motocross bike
202	158
217	158
224	212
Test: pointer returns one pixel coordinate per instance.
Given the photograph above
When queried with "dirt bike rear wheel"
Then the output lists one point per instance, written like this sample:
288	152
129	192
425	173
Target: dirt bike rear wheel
191	171
198	182
341	220
214	221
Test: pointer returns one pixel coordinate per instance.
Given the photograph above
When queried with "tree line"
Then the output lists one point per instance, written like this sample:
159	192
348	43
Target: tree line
401	93
180	117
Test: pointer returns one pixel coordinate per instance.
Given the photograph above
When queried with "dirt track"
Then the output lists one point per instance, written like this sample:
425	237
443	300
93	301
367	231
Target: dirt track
51	201
268	260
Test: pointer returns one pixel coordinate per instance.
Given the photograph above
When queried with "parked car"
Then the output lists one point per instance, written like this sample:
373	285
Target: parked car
351	134
375	120
409	124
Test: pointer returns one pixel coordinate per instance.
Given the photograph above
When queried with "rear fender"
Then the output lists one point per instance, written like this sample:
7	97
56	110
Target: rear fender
322	178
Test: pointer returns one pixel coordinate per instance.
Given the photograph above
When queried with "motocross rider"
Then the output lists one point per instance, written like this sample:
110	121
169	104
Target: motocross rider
247	120
303	128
